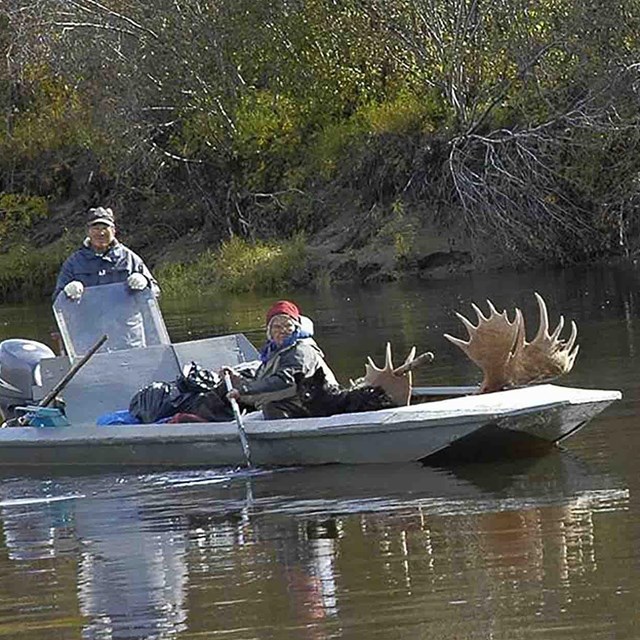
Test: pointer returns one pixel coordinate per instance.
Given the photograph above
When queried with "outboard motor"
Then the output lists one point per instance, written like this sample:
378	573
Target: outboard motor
20	372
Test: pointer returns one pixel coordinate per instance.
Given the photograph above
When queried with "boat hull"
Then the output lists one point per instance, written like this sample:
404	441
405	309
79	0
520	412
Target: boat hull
545	413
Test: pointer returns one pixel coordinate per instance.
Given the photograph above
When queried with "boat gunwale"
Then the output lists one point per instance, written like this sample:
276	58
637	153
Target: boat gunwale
367	422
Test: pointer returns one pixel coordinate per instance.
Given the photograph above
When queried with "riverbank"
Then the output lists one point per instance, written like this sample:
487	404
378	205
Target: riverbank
348	250
405	154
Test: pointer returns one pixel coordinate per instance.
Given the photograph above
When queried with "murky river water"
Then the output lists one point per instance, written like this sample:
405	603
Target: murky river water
546	547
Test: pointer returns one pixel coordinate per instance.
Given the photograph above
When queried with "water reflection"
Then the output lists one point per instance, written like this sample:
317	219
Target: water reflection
132	576
310	549
543	547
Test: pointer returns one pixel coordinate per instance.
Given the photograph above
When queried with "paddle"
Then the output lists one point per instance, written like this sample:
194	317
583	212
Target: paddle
71	373
244	441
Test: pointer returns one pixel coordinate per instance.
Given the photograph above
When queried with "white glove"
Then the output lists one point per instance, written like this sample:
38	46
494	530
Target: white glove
74	290
137	282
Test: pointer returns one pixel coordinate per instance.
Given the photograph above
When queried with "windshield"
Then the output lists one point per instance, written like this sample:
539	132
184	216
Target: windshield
129	319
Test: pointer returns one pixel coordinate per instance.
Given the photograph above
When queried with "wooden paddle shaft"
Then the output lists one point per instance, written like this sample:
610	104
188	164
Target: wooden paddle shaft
423	358
72	372
244	441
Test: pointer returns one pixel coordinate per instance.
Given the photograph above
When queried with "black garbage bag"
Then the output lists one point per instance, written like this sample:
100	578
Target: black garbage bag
207	394
197	391
156	401
210	406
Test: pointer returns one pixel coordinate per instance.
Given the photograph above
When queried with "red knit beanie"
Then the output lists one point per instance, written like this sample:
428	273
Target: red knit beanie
283	306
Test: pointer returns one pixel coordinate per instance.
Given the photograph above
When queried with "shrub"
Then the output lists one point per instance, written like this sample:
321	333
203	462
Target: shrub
19	212
26	272
237	266
54	116
404	113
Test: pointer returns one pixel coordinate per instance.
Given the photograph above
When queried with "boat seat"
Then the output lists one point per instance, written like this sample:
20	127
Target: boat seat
108	381
214	353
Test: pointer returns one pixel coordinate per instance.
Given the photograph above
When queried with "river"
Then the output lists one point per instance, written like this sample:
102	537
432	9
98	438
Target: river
545	547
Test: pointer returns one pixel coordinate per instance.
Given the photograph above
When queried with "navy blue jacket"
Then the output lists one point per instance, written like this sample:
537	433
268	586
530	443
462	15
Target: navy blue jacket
92	268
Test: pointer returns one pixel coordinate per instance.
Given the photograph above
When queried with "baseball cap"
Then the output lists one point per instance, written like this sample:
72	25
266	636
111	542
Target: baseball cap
100	215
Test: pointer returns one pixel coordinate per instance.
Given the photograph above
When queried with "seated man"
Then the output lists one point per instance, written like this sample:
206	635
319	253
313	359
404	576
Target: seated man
289	350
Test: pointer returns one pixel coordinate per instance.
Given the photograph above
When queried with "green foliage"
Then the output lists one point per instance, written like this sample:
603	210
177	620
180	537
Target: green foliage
237	266
19	212
404	113
329	145
265	120
267	137
399	231
257	115
26	272
52	115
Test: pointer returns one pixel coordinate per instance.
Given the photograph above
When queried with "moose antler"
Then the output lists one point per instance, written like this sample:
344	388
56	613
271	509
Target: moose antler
546	356
499	347
396	382
490	344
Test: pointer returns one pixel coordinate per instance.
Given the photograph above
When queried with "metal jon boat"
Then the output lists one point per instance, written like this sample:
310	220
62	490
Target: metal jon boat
139	352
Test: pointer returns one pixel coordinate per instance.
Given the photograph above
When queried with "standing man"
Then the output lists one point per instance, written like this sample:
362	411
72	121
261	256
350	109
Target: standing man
102	260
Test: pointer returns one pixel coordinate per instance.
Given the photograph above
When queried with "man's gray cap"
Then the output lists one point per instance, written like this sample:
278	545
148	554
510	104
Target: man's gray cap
100	215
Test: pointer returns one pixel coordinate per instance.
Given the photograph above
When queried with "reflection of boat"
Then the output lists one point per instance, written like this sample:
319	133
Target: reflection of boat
546	413
143	540
556	478
131	579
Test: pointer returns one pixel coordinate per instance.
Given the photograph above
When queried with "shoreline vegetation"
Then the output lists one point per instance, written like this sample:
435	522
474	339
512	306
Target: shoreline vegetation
266	146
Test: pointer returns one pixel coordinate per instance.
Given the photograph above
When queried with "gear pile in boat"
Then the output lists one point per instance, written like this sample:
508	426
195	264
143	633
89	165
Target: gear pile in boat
197	393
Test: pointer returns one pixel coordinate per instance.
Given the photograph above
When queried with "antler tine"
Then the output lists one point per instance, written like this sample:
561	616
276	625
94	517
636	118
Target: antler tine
412	363
572	356
521	335
396	385
572	338
492	309
479	313
372	364
459	342
469	326
388	364
543	328
410	357
558	330
568	349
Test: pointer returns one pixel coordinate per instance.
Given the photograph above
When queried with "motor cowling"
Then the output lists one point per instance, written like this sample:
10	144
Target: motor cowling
20	372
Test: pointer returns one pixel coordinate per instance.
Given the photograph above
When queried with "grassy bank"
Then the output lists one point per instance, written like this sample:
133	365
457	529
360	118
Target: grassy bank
28	273
236	266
